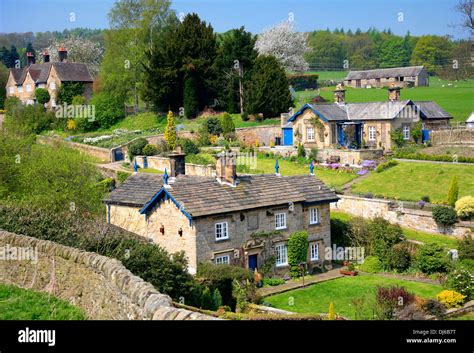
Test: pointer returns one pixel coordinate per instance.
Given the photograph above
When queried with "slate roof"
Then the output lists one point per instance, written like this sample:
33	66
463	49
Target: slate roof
385	73
74	72
202	196
432	110
385	110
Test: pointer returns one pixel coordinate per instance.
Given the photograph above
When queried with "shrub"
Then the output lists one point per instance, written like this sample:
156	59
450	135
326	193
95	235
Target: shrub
109	109
466	248
412	154
42	96
78	100
150	150
227	124
244	116
465	207
188	146
68	90
313	154
435	308
297	252
272	281
217	299
391	299
107	184
207	301
301	150
461	280
399	258
431	258
339	229
383	236
453	192
371	264
450	299
425	199
213	125
331	313
301	82
386	165
170	131
416	131
221	277
190	96
444	215
397	136
136	147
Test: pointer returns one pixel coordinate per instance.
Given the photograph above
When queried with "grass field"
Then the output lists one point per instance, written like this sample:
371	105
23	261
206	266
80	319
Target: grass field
458	99
332	178
445	241
410	181
21	304
341	292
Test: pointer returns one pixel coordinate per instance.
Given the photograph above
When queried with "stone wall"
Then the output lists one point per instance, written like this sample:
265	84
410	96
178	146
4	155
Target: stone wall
154	162
102	287
452	136
414	219
200	170
263	134
350	156
94	151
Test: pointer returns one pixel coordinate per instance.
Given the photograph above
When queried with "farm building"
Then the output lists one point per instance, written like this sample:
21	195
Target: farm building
411	76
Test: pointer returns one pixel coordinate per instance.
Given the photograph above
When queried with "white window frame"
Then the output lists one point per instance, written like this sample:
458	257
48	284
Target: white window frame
12	89
221	231
52	85
280	221
313	215
28	88
314	251
20	88
310	134
222	260
406	132
53	102
281	255
372	133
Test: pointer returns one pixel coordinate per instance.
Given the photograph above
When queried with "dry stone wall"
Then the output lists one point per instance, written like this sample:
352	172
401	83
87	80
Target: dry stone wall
102	287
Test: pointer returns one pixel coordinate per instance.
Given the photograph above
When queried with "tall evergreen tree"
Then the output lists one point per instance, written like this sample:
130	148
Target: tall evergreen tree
170	131
267	90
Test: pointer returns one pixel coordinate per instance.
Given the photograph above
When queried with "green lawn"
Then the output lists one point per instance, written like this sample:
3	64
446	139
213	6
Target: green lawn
332	178
21	304
445	241
341	292
458	101
330	75
410	181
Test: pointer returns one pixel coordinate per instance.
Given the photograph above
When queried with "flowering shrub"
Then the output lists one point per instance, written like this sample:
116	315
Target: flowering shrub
451	299
462	281
465	206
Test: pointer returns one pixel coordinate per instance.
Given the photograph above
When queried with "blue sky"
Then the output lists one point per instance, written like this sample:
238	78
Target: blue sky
419	16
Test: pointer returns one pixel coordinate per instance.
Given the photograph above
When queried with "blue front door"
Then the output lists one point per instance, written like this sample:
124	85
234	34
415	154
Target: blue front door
288	136
425	135
253	262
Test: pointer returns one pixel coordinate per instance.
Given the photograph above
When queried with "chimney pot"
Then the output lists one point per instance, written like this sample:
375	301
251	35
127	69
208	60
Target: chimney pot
45	56
30	58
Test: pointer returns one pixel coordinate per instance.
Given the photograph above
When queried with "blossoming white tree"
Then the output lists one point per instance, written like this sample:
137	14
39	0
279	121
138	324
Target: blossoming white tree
80	50
285	44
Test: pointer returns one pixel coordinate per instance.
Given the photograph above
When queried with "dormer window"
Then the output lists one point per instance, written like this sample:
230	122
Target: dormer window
11	89
20	88
52	85
28	88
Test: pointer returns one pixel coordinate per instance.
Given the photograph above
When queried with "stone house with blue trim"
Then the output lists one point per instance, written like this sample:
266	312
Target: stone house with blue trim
244	220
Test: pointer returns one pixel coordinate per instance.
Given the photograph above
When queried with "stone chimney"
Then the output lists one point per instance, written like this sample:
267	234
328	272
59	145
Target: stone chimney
45	56
226	168
284	118
339	94
393	93
177	163
62	52
30	58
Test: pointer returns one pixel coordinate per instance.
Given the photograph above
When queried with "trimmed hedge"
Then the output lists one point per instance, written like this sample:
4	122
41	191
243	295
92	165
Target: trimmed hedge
301	82
429	157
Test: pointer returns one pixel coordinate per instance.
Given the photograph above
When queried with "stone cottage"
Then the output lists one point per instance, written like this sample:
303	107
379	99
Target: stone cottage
360	130
411	76
245	220
23	82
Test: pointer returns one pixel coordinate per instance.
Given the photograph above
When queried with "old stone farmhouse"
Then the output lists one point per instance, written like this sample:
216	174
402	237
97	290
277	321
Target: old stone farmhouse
360	130
411	76
23	82
244	220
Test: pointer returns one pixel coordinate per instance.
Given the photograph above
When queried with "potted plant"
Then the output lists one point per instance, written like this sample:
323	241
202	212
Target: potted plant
348	269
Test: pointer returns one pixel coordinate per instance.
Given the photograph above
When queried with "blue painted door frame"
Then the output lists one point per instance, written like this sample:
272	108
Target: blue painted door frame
425	135
253	262
288	136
